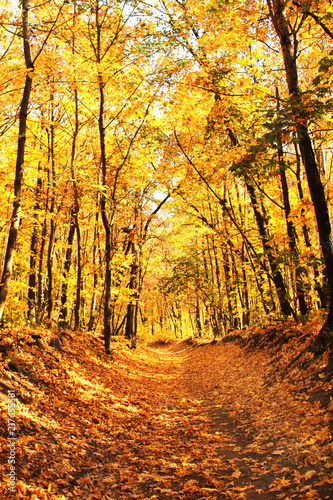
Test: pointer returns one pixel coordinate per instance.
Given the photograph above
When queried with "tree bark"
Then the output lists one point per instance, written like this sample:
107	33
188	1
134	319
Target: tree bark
130	331
52	184
95	278
32	302
103	197
291	230
246	307
76	204
265	238
64	287
319	289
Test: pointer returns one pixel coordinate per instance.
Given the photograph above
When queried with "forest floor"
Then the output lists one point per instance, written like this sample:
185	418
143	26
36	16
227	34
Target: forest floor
193	419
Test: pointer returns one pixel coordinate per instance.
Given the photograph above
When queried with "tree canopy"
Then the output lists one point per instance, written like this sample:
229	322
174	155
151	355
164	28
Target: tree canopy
166	165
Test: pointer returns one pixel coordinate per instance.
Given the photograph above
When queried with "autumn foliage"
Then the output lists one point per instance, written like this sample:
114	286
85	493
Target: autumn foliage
172	165
166	248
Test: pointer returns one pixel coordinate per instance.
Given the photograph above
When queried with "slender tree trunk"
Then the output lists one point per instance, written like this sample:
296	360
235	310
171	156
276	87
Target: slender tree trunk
130	332
217	274
228	288
15	219
64	287
236	283
32	292
52	183
291	230
197	316
246	302
319	289
95	278
212	310
40	296
103	197
259	281
269	252
32	275
245	285
76	204
49	268
259	217
136	276
75	212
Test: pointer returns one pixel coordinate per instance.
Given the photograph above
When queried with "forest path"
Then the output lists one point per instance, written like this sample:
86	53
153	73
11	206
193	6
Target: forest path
209	455
186	421
230	435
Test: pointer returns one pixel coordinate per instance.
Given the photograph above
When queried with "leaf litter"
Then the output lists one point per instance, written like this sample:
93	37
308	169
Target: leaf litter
248	419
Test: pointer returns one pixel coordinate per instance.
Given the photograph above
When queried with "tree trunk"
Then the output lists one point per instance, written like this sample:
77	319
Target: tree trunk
64	287
32	302
236	283
269	252
103	198
15	218
76	204
75	211
289	51
291	231
40	295
246	307
319	289
197	317
212	309
52	183
130	331
95	278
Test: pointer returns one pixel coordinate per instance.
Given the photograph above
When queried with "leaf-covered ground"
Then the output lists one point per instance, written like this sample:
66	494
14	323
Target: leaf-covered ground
187	420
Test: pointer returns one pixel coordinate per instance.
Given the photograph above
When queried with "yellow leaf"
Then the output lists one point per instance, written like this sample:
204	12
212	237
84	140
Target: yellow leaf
309	474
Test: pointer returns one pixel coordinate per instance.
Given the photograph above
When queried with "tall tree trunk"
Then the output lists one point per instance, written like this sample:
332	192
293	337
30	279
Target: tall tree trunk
76	204
75	226
32	302
68	260
259	281
289	51
246	301
291	230
95	277
319	289
269	252
217	274
212	309
245	285
49	266
236	284
197	316
15	218
40	295
228	289
103	197
130	331
52	183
